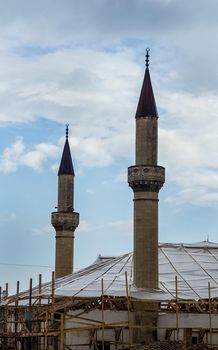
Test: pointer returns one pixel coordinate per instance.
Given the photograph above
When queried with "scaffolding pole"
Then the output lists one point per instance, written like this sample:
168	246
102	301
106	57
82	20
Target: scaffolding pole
102	310
128	307
177	309
62	333
210	314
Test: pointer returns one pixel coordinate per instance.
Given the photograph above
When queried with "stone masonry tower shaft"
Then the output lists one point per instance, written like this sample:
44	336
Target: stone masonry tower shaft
65	220
146	178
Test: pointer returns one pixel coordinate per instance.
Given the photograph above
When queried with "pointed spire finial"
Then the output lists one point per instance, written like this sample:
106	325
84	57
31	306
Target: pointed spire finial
147	57
66	165
146	105
67	131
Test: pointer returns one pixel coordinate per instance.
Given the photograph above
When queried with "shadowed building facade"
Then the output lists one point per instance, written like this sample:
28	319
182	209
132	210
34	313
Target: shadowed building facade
146	178
65	220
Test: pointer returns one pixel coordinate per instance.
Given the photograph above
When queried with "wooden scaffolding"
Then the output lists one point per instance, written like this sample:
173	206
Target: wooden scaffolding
35	321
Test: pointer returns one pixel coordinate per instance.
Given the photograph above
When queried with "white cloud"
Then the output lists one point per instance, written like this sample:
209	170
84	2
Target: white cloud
121	177
46	71
8	160
45	230
84	226
199	196
17	155
189	149
123	227
60	87
99	103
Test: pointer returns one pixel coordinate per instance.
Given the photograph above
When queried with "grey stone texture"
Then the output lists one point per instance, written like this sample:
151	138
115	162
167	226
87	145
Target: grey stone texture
65	221
146	179
146	141
146	239
65	192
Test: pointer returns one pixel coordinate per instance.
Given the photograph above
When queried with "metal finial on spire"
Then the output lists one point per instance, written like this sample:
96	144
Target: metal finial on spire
67	130
147	57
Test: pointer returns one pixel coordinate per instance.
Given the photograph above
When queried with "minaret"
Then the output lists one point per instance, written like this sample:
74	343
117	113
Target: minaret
146	178
65	220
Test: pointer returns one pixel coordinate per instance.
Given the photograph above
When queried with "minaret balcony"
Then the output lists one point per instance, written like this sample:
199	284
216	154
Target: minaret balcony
65	221
148	178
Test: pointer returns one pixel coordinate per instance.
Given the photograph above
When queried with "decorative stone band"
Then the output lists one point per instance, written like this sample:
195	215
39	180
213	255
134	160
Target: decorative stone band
149	178
63	221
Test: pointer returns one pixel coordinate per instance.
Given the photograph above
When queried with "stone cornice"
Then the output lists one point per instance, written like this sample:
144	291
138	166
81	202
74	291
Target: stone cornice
146	177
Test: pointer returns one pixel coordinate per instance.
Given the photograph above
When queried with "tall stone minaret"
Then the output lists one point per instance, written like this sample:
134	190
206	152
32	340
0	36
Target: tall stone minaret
65	220
146	178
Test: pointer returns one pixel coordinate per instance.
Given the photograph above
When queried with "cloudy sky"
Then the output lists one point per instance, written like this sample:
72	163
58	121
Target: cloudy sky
82	63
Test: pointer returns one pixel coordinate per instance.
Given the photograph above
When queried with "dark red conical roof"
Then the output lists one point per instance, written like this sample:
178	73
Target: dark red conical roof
66	165
146	105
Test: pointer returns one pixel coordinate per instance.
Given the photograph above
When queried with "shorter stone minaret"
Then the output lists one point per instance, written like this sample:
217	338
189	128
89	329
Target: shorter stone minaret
65	220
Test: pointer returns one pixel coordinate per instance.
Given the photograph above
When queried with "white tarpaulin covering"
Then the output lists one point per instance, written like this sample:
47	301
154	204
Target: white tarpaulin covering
194	265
